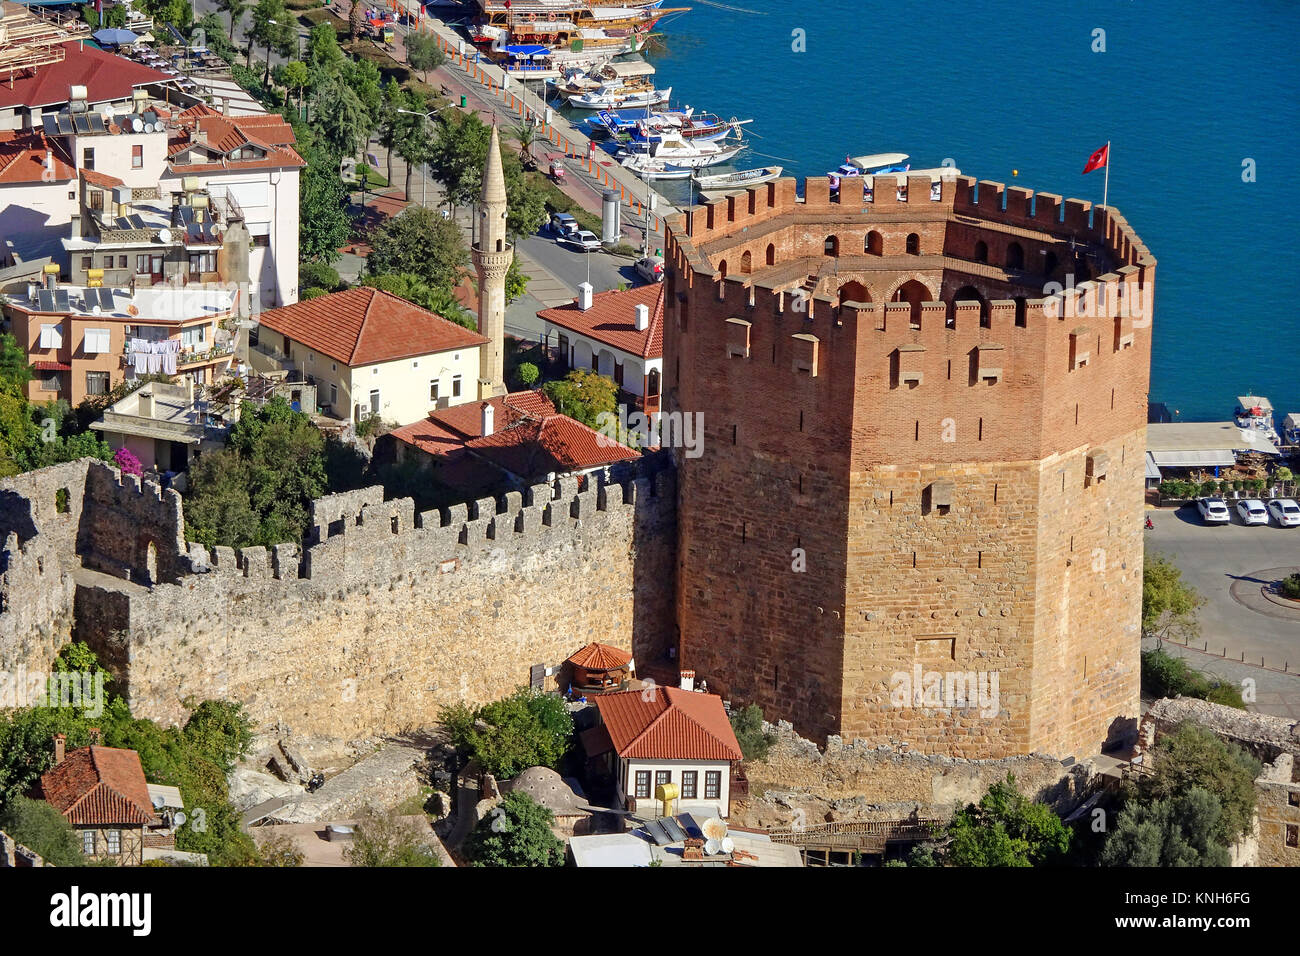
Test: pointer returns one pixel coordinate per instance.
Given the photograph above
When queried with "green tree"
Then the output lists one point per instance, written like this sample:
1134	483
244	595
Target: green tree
1195	757
295	76
748	726
385	839
15	373
323	223
1169	605
1006	828
340	117
259	489
324	55
517	832
584	395
392	120
235	9
41	828
354	21
272	29
318	275
423	52
1178	831
419	242
457	156
220	731
528	374
414	144
526	729
516	281
438	299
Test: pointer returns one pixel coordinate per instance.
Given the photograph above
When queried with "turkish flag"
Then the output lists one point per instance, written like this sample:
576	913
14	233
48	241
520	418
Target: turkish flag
1098	159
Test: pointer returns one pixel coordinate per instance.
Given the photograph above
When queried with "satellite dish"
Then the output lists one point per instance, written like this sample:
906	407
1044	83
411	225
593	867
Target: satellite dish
137	124
728	844
164	235
180	817
158	802
712	847
713	829
96	310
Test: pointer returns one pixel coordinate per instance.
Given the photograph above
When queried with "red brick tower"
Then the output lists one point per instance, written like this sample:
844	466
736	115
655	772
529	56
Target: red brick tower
922	457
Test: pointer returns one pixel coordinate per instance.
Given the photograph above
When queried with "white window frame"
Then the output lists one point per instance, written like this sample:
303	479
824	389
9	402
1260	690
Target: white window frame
88	842
113	841
52	336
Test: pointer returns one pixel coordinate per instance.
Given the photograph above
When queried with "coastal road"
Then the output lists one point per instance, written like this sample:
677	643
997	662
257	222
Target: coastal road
1222	562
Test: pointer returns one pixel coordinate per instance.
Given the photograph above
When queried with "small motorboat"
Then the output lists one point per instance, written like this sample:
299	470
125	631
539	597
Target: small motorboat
739	180
867	166
672	149
610	97
1256	412
1291	429
649	169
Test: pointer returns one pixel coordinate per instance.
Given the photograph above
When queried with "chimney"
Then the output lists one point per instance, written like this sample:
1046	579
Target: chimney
49	161
688	680
642	318
75	219
144	406
60	746
489	415
584	296
189	389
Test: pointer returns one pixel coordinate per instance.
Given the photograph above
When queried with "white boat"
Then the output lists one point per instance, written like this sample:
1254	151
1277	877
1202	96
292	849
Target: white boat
673	149
741	179
1256	411
648	168
1291	429
618	97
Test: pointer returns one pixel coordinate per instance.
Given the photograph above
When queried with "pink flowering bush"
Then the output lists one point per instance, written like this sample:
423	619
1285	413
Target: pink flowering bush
127	462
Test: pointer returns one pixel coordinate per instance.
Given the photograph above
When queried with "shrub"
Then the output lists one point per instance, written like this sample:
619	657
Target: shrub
748	725
1290	587
516	833
528	374
39	827
1164	675
526	729
318	275
384	839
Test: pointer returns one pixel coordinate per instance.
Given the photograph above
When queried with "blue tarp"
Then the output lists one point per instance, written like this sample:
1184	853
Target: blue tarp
528	52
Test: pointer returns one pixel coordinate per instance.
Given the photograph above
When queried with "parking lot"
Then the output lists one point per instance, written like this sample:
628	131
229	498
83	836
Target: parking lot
1214	559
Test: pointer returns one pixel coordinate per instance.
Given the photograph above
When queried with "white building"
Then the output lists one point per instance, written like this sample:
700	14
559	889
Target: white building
370	353
663	735
617	334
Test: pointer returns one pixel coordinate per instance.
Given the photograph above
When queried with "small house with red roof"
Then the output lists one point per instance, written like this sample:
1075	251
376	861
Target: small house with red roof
370	352
102	792
619	334
664	735
507	441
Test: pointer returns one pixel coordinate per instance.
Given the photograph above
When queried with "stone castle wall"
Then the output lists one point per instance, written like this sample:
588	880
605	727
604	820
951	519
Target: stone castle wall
383	619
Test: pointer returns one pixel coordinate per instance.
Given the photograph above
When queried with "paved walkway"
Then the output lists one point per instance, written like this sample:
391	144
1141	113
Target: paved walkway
1275	692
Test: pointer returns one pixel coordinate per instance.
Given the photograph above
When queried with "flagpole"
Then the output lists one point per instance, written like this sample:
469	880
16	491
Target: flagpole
1105	190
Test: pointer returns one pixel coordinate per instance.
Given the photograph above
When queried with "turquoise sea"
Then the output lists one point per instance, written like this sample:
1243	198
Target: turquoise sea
1186	91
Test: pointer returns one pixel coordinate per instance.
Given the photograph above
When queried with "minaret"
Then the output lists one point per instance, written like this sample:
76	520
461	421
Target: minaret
492	257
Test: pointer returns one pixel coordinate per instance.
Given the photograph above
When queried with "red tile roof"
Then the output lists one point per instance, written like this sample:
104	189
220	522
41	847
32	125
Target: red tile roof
102	180
612	319
600	657
665	723
99	786
364	326
450	429
105	76
209	129
22	158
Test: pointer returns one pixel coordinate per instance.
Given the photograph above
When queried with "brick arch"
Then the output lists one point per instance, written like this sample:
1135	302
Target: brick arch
930	283
855	291
146	560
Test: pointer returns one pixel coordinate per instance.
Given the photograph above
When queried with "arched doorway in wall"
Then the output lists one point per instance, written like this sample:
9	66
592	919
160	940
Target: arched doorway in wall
968	293
722	269
913	244
875	244
582	355
746	264
981	251
771	254
831	246
605	363
913	292
1015	257
854	292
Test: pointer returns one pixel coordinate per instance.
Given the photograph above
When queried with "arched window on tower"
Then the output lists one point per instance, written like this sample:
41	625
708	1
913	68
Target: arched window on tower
1015	257
875	245
913	245
746	264
981	251
831	246
722	269
771	254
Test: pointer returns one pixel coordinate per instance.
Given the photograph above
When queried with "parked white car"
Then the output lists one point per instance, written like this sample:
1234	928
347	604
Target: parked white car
1285	512
1252	511
651	268
582	239
1213	511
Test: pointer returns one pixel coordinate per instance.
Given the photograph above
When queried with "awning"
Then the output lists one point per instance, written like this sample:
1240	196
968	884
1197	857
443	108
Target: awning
529	51
1152	470
632	68
52	367
1210	458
